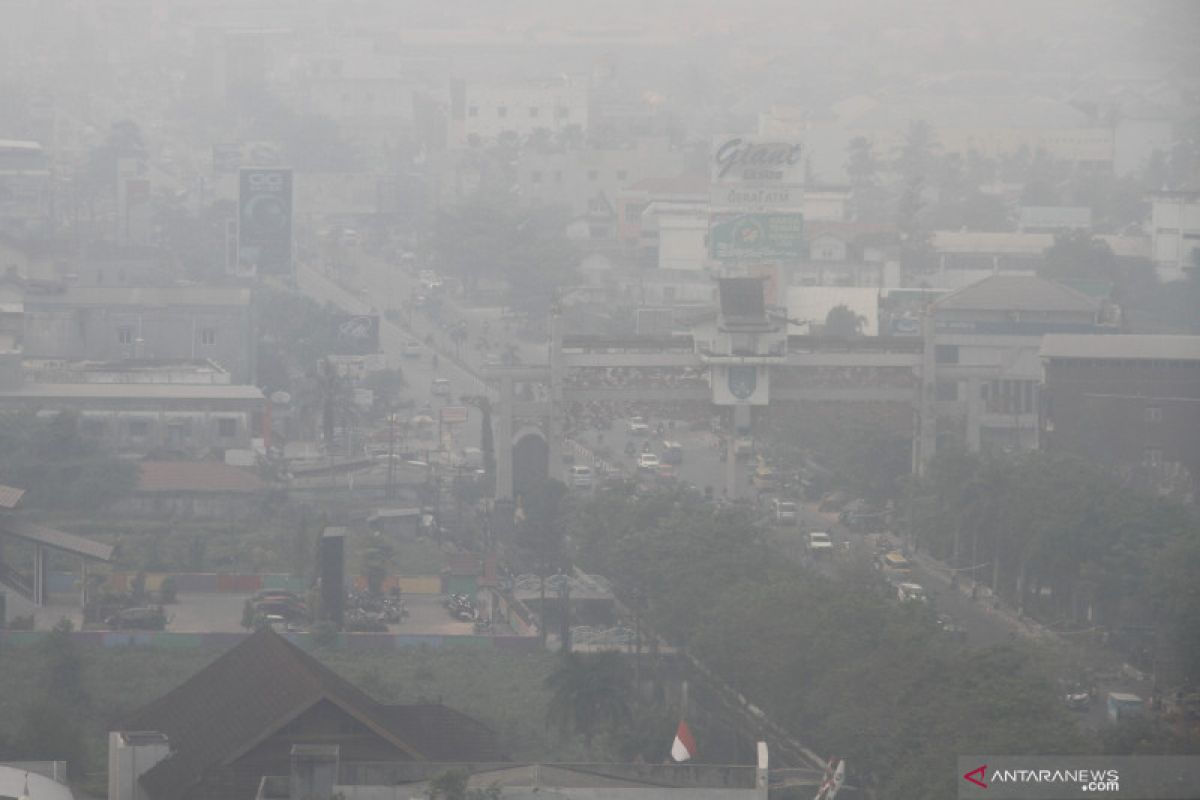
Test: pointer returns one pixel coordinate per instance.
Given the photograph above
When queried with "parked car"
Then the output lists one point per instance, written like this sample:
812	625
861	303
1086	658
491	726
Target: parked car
441	387
581	476
784	512
820	544
412	349
146	618
911	593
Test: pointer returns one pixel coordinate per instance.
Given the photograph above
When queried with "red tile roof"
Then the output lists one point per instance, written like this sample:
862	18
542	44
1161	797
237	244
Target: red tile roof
197	476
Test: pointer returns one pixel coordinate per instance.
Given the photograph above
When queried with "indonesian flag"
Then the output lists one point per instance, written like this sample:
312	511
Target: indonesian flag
684	746
833	780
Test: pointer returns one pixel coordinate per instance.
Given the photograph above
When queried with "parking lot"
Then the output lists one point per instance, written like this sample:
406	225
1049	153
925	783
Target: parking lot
222	613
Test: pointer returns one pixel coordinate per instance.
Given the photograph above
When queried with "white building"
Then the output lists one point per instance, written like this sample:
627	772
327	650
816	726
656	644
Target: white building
1175	233
481	112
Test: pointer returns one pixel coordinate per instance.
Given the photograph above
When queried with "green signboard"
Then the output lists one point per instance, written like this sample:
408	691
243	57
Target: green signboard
758	235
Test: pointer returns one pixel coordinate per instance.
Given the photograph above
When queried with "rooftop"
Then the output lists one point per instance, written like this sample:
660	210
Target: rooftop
1016	293
131	391
197	476
159	296
1164	348
258	686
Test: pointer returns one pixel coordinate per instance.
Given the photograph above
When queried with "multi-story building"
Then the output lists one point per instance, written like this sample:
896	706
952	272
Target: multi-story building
1175	233
1130	402
481	112
170	323
26	189
986	342
589	179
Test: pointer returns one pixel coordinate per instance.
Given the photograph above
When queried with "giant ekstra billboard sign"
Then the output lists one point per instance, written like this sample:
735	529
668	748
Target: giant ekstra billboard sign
751	173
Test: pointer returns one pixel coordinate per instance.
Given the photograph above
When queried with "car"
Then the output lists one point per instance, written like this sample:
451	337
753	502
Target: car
276	594
951	629
148	618
820	544
911	593
412	349
639	427
647	461
441	387
743	446
893	562
665	472
581	476
784	512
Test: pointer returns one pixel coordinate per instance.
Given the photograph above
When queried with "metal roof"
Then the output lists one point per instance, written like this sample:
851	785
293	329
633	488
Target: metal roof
132	391
153	296
1016	293
10	496
59	540
1121	346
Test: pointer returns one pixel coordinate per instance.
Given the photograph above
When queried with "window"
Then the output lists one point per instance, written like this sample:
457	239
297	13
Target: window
593	174
502	111
139	428
208	336
125	334
227	427
622	174
563	113
473	111
535	177
558	176
946	353
533	112
946	391
1153	414
92	427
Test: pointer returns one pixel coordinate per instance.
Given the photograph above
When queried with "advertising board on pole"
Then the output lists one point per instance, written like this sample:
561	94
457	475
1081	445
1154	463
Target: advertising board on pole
751	173
758	235
358	335
264	221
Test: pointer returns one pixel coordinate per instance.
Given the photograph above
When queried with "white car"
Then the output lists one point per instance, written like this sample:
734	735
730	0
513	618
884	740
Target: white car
581	476
911	593
819	543
785	512
412	349
647	461
638	427
441	387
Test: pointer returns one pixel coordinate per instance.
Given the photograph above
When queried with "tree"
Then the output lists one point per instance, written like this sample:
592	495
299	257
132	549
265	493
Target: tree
1079	256
862	168
452	785
58	465
841	322
592	693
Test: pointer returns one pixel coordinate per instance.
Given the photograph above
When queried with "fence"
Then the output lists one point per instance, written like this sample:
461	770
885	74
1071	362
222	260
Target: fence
239	583
350	642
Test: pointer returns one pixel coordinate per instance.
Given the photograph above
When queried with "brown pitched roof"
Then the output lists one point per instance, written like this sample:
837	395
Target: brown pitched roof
443	734
196	476
250	692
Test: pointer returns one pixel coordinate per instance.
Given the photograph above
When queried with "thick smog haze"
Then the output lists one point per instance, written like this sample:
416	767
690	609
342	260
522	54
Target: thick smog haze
600	401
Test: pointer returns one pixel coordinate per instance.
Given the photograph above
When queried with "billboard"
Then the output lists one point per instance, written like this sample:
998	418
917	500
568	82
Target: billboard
264	221
453	415
755	160
758	235
740	384
357	335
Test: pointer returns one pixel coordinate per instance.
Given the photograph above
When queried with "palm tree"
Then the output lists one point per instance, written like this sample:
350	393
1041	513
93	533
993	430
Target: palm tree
591	693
